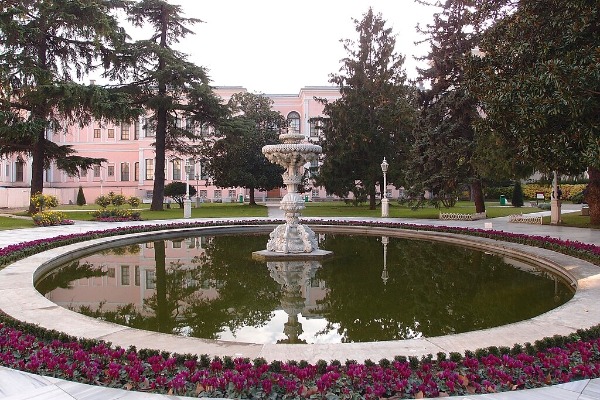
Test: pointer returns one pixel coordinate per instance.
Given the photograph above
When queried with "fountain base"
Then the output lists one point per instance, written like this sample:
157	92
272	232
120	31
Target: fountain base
315	255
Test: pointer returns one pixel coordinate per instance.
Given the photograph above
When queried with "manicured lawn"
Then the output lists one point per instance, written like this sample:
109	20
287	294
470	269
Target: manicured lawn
313	209
15	223
206	210
341	209
574	219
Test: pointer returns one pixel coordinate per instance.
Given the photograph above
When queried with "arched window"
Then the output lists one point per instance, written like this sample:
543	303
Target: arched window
293	119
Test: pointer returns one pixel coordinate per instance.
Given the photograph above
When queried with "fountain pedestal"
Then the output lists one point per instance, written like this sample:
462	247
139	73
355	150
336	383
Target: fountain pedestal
292	239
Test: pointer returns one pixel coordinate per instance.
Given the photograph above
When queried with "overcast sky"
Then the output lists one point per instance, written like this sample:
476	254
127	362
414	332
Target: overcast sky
280	46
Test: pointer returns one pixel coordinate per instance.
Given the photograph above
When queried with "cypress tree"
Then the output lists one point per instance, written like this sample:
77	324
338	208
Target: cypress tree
81	197
517	197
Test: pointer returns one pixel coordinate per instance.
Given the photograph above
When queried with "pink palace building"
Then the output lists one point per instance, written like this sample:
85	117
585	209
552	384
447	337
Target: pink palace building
129	169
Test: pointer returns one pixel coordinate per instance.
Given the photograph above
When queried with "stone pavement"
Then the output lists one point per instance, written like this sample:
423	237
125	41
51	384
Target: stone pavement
21	385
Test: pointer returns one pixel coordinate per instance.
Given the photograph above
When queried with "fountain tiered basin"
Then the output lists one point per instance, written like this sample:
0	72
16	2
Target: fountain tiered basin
292	240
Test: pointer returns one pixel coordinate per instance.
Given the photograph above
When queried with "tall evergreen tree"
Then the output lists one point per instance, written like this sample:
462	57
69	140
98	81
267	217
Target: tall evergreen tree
233	154
174	91
45	47
372	118
539	84
444	142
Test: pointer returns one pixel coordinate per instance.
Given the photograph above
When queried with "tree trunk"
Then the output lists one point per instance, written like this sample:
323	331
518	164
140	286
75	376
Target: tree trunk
162	309
592	196
252	200
37	169
477	191
372	198
158	194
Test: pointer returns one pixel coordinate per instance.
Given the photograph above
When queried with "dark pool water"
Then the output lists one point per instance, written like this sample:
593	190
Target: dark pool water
211	287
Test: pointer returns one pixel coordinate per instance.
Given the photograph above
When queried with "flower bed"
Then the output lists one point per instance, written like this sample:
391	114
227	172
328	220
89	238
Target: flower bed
548	361
51	218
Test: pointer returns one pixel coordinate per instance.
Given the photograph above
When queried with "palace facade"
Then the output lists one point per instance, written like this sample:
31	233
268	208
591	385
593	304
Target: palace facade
129	169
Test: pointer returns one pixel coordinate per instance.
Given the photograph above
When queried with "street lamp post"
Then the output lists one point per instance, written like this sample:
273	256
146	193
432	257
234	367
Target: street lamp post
385	205
187	203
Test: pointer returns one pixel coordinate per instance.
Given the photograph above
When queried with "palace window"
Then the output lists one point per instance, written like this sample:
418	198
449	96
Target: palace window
316	128
125	132
124	171
177	169
19	166
149	168
293	119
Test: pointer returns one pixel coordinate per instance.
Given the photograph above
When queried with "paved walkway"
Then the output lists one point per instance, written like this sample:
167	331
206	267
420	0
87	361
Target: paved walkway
21	385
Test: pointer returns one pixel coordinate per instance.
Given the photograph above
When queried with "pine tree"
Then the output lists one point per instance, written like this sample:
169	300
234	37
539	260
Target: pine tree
444	147
372	118
46	46
174	91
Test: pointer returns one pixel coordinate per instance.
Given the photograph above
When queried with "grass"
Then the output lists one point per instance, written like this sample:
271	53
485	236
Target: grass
574	220
341	209
15	223
313	209
206	210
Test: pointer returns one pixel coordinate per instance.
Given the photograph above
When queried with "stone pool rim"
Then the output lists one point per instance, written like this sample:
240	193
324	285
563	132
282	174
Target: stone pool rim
20	300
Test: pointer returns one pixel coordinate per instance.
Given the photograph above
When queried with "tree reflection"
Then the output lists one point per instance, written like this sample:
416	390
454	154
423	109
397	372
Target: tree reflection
62	277
444	290
247	295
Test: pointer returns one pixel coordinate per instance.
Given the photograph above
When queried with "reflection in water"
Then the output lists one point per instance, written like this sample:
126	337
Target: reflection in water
294	277
372	289
384	274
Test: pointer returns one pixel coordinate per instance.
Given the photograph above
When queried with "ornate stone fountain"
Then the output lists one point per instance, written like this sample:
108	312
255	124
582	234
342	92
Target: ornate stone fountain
292	239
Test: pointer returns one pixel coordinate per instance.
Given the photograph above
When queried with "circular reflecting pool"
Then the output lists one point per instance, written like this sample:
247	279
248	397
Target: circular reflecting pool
373	288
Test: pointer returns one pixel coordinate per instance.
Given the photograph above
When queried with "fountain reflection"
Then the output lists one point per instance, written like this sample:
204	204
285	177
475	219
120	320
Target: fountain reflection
294	277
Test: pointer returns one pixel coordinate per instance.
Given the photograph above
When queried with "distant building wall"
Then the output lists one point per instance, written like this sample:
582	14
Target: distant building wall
129	169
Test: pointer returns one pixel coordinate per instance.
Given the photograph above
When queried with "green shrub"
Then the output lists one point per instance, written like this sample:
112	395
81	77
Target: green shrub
494	192
50	218
42	201
133	201
117	200
577	198
116	214
103	201
176	191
